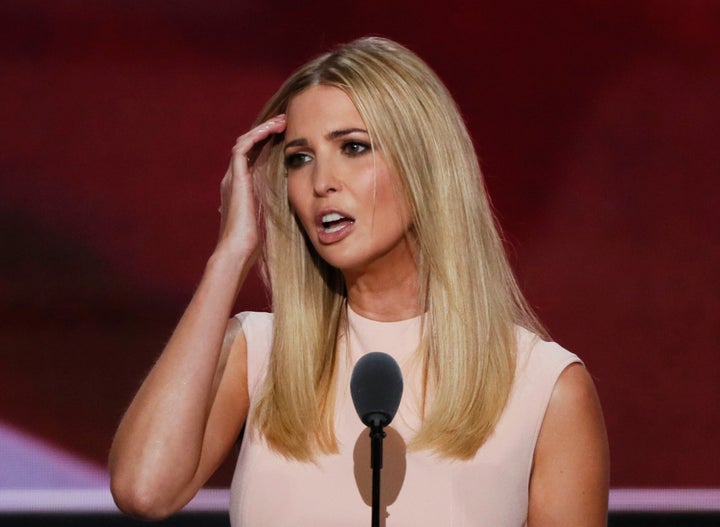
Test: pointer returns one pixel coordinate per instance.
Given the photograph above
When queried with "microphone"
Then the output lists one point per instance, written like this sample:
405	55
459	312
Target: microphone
376	386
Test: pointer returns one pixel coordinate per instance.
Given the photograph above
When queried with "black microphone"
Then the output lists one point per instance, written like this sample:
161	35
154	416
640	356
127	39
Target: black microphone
376	386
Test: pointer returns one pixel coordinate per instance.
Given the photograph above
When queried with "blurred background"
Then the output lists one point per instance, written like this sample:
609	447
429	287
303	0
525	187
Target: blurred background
596	123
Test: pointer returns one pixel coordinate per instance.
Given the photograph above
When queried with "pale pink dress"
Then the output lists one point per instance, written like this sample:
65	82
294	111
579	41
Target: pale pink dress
419	488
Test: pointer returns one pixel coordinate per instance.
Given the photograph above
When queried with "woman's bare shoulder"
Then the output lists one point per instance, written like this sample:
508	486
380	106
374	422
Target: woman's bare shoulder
569	481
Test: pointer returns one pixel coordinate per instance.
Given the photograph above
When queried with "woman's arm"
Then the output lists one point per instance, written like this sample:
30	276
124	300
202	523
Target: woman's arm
191	407
186	415
569	481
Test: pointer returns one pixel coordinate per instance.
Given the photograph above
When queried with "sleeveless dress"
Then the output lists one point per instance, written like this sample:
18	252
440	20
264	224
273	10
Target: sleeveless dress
417	488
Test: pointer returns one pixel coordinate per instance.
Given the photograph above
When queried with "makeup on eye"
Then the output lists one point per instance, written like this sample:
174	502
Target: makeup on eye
355	148
296	160
348	146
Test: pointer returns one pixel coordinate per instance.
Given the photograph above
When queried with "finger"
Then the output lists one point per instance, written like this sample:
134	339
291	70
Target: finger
246	142
262	132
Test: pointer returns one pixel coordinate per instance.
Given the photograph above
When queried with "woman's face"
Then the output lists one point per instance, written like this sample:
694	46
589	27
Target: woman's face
341	191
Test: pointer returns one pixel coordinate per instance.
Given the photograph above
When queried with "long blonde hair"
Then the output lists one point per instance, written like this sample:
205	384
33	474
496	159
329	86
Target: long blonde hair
468	290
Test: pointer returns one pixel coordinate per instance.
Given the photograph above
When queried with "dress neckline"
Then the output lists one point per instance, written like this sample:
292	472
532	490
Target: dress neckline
398	338
355	316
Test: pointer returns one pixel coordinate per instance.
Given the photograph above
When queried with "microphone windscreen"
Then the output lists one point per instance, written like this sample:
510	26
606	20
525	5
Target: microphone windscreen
376	386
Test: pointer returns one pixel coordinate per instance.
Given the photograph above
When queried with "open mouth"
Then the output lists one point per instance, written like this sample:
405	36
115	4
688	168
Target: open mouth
334	222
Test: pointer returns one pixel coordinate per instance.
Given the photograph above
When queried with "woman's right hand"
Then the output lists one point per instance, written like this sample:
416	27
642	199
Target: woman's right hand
238	209
189	411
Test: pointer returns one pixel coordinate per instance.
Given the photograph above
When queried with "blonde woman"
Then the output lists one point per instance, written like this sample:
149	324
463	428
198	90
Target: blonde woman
376	235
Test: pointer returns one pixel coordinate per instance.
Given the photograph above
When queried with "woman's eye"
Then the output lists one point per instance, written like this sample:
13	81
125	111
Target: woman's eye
355	148
296	160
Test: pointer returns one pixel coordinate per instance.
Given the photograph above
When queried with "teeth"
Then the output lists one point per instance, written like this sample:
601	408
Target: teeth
334	228
333	216
334	222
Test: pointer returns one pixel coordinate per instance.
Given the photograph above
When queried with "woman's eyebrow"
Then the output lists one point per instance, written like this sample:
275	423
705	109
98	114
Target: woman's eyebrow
335	134
296	142
340	133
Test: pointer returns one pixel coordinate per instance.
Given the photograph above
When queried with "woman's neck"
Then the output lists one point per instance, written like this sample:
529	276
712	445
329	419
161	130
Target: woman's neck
386	296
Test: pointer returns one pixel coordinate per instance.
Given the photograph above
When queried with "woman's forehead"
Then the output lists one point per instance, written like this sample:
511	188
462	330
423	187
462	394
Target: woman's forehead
322	108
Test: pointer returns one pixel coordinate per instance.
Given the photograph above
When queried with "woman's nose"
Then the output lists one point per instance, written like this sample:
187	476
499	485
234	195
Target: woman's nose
324	179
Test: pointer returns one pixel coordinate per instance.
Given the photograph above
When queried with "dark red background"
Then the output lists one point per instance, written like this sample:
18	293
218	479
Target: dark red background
597	125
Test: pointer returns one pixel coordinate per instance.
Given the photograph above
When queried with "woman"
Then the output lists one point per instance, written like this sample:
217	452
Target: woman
378	236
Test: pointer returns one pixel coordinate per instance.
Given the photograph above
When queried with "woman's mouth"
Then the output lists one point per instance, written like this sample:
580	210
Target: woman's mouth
334	222
334	227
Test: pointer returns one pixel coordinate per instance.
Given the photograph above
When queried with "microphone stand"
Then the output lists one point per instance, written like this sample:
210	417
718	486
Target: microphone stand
376	387
377	434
